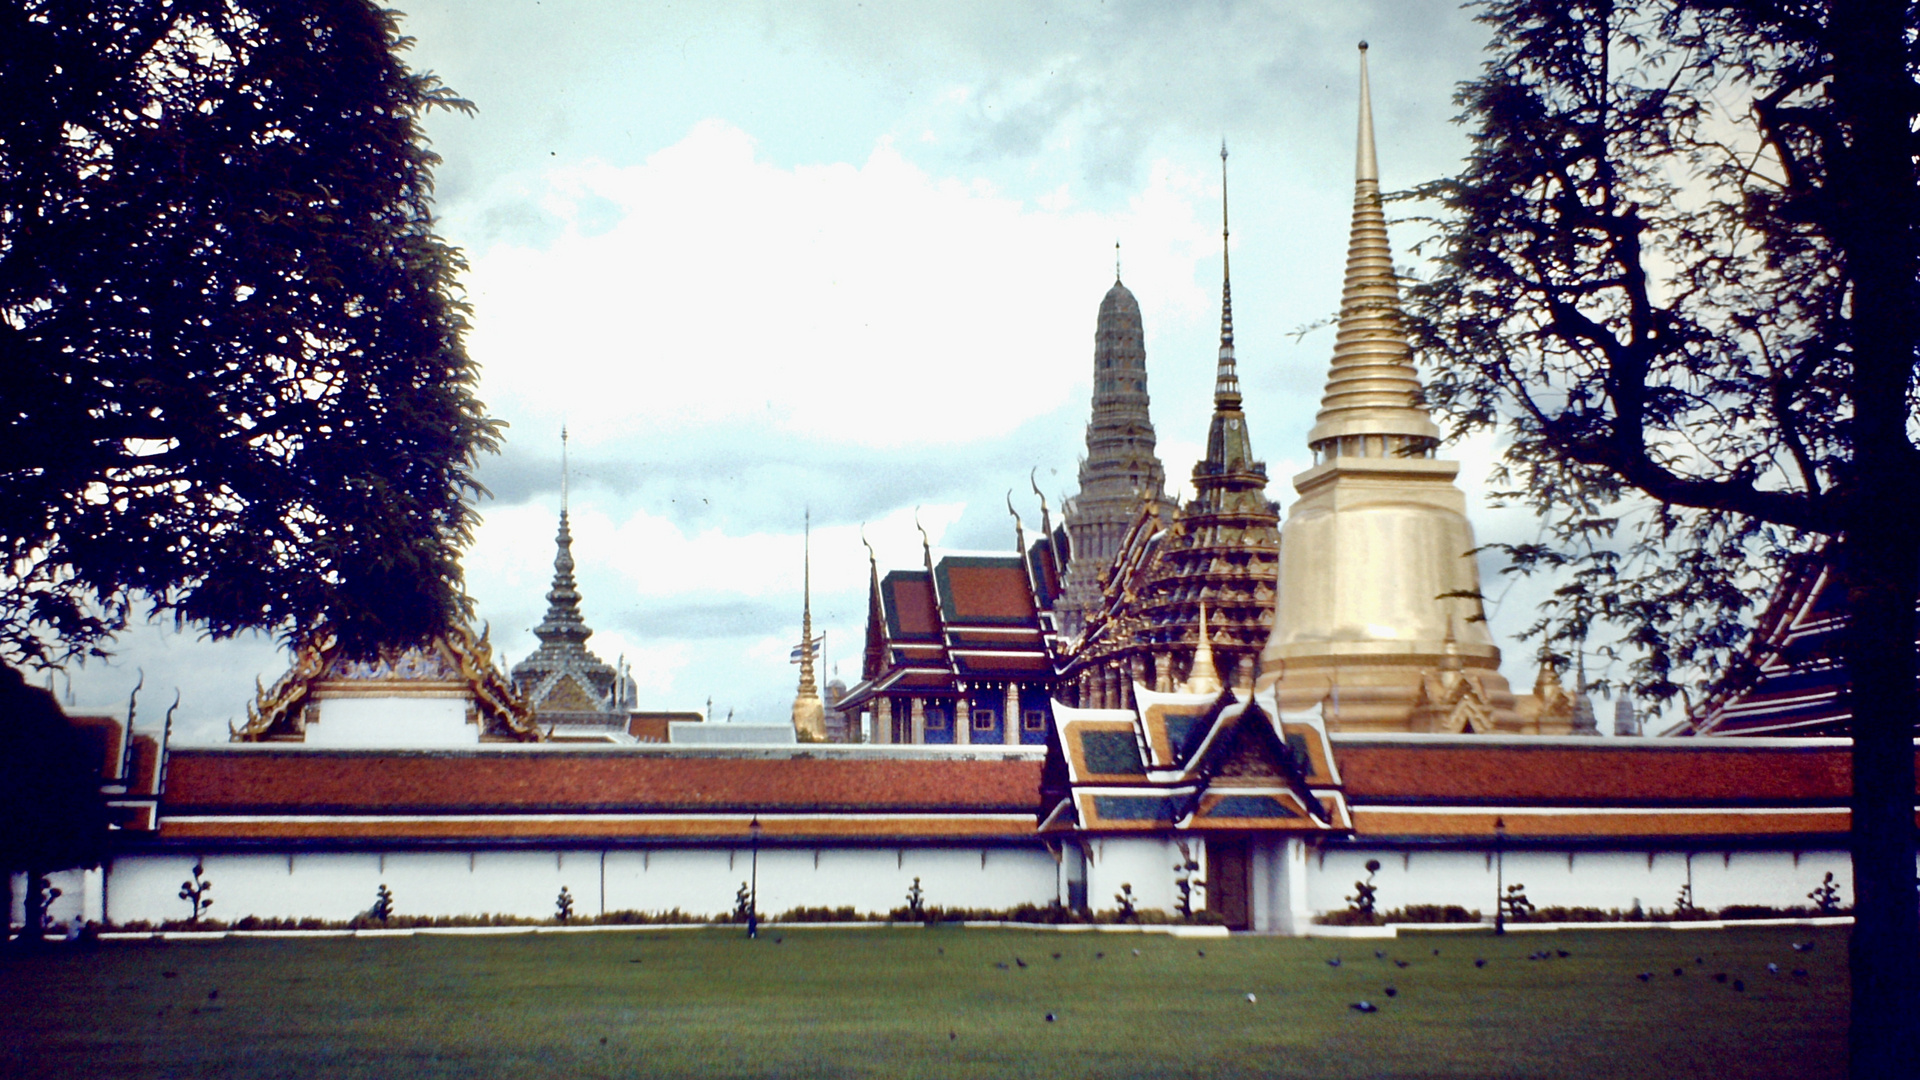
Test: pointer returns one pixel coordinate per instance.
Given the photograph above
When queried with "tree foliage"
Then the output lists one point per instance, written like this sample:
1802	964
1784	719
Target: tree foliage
1647	278
1681	269
232	377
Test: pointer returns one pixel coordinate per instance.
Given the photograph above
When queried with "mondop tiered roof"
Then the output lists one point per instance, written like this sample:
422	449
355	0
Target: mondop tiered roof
1214	563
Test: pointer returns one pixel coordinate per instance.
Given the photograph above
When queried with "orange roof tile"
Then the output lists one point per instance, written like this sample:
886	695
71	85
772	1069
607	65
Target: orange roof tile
1556	772
214	781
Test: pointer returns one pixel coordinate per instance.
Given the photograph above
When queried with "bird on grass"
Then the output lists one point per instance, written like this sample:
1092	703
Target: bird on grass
603	1040
953	1035
1479	963
1099	956
1051	1018
1002	965
1364	1007
1799	973
1251	999
1136	952
1739	987
1378	955
1803	946
1562	953
1202	952
1019	961
1679	971
1390	991
1645	976
1400	963
1436	952
1773	969
1719	976
213	993
1335	962
1056	956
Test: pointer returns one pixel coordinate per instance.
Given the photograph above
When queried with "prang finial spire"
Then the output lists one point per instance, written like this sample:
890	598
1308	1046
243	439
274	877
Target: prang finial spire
1226	382
1116	262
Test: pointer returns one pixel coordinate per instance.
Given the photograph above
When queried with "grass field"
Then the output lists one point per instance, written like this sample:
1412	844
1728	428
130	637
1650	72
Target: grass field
936	1002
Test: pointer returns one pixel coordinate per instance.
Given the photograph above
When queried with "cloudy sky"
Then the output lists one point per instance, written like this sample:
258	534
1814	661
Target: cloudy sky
764	257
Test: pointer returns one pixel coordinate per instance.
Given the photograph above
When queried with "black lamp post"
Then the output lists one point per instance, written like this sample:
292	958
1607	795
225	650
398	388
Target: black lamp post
1499	875
753	890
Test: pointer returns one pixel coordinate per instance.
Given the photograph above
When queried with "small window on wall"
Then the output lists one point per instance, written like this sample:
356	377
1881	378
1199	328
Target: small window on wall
936	719
983	719
1034	720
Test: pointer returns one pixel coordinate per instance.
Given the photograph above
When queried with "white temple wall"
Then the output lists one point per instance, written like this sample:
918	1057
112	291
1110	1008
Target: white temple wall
1601	879
79	896
1290	882
1145	862
527	883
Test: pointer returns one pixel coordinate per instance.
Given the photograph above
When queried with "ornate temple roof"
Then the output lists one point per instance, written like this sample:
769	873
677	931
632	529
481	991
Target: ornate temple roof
1219	552
562	680
966	617
1797	682
459	664
1189	762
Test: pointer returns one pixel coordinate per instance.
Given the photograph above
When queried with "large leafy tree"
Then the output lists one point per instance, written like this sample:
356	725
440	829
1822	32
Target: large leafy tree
232	378
232	382
1680	270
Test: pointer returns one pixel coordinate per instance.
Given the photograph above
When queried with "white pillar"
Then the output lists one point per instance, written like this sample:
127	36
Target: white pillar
1291	911
963	716
883	719
919	717
1011	736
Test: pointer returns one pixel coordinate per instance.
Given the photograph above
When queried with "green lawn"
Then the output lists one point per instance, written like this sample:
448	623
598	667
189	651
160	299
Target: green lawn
912	1002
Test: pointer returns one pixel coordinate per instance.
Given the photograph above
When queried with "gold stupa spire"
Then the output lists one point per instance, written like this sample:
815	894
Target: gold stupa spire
809	713
1204	678
1372	389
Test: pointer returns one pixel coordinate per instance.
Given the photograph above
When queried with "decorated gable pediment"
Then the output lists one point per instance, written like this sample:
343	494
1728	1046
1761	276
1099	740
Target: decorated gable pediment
456	664
1189	762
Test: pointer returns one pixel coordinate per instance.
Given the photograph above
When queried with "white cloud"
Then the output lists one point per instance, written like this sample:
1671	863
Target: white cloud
873	305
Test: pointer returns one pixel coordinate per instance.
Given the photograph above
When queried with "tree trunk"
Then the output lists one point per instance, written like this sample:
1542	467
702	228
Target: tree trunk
33	925
1885	947
1877	209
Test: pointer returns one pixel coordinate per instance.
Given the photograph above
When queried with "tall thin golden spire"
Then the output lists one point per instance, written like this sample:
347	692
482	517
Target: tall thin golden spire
1372	388
809	713
1226	382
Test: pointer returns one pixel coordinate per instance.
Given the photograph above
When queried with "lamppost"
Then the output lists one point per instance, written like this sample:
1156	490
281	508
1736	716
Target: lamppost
1499	875
753	890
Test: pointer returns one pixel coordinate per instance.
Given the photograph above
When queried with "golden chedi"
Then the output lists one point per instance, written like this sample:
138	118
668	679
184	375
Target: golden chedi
1377	618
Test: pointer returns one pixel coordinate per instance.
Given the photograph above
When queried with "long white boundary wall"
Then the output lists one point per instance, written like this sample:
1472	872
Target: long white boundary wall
1290	882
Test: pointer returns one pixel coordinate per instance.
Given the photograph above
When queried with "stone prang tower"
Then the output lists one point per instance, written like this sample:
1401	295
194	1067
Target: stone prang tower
1120	472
